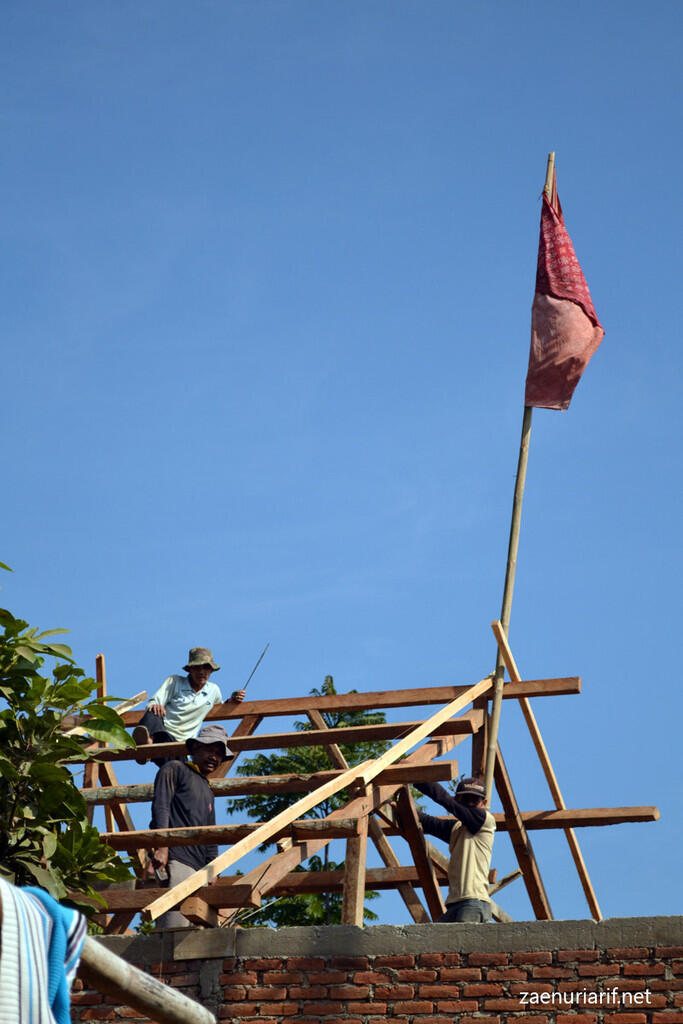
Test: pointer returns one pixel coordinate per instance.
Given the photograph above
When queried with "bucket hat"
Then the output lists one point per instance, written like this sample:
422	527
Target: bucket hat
200	656
210	734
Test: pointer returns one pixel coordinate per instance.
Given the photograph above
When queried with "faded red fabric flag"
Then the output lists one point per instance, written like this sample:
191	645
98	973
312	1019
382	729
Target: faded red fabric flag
565	330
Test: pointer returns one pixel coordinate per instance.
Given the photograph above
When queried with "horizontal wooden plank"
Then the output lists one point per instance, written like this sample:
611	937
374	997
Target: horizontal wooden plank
376	699
463	726
247	785
569	818
225	835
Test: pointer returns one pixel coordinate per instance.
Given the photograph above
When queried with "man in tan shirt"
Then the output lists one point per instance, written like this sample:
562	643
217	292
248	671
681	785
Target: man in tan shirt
470	839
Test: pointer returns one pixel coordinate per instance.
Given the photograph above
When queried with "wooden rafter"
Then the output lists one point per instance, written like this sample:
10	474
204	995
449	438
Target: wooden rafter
414	836
544	758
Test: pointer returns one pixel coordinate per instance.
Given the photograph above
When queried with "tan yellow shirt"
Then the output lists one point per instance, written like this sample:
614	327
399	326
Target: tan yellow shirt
468	869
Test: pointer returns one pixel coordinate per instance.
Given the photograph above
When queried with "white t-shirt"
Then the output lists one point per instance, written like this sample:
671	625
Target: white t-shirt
185	709
468	869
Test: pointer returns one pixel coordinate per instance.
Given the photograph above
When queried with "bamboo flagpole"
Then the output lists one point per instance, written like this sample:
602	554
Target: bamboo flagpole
513	545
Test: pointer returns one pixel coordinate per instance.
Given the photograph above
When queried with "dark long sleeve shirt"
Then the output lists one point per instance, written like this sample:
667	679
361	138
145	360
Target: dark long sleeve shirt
472	817
183	798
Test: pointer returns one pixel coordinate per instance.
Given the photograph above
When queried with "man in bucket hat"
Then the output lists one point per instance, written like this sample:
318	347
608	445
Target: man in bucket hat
183	798
181	704
470	839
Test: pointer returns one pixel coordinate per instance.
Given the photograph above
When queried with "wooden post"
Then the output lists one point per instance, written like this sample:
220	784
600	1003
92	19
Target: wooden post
353	902
530	719
513	545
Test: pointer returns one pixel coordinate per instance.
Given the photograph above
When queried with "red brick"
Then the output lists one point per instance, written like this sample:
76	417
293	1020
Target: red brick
349	991
460	974
324	1007
413	1007
327	978
496	1020
367	978
457	1006
665	986
502	1004
234	993
264	964
312	992
282	978
474	990
306	963
484	959
531	1019
583	956
350	963
337	1020
394	961
392	992
572	986
531	958
436	1020
668	1017
506	974
439	959
416	975
669	951
99	1014
625	1018
268	992
539	986
632	953
599	970
278	1009
238	1009
239	978
643	970
85	998
576	1018
353	1007
438	991
553	972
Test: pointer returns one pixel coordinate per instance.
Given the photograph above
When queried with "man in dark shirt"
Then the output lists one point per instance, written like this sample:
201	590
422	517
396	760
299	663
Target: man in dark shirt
183	798
470	839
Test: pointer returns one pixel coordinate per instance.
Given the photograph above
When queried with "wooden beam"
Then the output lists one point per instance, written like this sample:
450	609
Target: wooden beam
413	834
375	699
521	842
442	771
108	973
246	727
224	835
577	856
462	726
353	902
582	817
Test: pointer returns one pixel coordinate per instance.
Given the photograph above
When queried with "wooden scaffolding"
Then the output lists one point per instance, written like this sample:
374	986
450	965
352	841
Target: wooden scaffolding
380	805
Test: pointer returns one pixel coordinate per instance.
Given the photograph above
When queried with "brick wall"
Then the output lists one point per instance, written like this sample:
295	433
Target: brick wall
623	971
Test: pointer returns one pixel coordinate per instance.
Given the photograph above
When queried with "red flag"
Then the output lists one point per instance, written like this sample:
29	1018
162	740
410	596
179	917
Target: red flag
565	330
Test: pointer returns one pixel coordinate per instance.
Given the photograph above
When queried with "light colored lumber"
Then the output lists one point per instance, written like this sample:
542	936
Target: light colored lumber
353	901
505	881
375	699
413	834
110	974
521	842
530	719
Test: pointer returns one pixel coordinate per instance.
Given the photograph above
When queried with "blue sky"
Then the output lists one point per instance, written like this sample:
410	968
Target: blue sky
265	300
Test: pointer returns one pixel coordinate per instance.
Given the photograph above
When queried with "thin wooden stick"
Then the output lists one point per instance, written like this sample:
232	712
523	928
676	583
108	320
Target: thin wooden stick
513	545
577	856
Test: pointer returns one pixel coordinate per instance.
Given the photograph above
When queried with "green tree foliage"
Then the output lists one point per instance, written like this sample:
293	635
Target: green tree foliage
45	838
313	908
